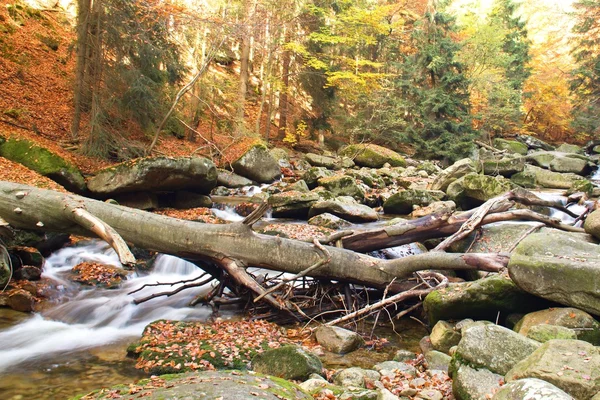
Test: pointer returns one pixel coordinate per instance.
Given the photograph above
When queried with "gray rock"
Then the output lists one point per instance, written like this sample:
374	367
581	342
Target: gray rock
437	360
452	173
534	176
481	188
231	180
403	202
338	340
330	221
367	177
511	146
443	336
534	143
435	207
592	224
343	185
312	175
139	200
384	394
258	164
587	328
314	385
530	388
349	212
387	368
544	332
156	174
569	148
506	167
404	355
472	384
569	164
292	203
287	362
317	160
359	394
542	158
429	394
571	365
560	267
298	186
493	347
183	199
373	156
354	377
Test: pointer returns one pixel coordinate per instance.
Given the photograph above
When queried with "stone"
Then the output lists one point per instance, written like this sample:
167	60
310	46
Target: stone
186	200
583	186
343	185
358	394
373	156
511	146
292	203
28	273
330	221
587	328
530	388
21	300
231	179
569	164
287	362
44	162
338	340
258	164
534	143
156	174
544	332
312	175
384	394
429	394
403	202
506	167
493	347
354	377
139	200
480	188
592	224
317	160
569	148
472	384
314	385
558	266
404	355
443	336
370	179
349	212
546	179
452	173
437	360
387	368
571	365
282	156
299	186
542	158
446	207
481	299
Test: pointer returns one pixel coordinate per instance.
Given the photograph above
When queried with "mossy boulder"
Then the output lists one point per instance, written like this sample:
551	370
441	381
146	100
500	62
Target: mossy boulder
156	174
346	210
506	167
373	156
560	267
582	185
592	224
287	362
481	299
44	162
312	175
511	146
474	189
258	164
231	179
368	177
492	238
569	148
452	173
586	327
534	176
403	202
317	160
570	164
292	203
571	365
343	185
534	143
443	336
544	332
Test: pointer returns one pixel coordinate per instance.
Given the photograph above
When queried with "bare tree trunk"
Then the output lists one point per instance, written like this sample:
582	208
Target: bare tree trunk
285	79
83	14
244	62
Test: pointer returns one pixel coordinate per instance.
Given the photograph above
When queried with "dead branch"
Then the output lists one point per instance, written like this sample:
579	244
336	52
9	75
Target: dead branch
173	292
166	284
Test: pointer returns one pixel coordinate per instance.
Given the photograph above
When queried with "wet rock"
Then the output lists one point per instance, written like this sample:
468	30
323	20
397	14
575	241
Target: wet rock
587	328
443	336
581	186
231	180
472	384
349	212
511	146
560	267
292	203
404	355
21	300
27	256
156	174
592	224
373	156
534	143
452	173
287	362
258	164
312	175
338	340
493	347
571	365
343	185
28	273
330	221
544	332
403	202
530	388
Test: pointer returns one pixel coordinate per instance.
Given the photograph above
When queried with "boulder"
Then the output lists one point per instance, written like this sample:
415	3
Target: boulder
511	146
330	221
139	200
231	179
258	164
349	212
542	158
312	175
292	203
543	178
435	207
26	272
404	355
493	347
544	332
492	238
570	164
156	174
571	365
338	340
373	156
403	202
317	160
282	156
21	300
534	143
560	267
592	224
480	188
530	388
367	177
183	199
472	384
452	173
343	185
569	148
587	328
437	360
506	167
354	377
481	299
388	368
287	362
443	336
44	162
583	186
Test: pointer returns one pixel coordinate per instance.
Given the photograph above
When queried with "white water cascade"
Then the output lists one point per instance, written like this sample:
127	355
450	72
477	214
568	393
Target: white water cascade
86	318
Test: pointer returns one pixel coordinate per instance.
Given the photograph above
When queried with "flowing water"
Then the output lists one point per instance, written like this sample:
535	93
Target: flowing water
79	343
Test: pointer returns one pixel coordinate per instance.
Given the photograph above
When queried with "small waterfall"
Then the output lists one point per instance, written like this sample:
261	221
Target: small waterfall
93	317
554	213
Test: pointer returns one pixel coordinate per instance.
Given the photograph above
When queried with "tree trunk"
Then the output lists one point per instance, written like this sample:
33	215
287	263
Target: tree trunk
83	13
285	80
244	62
26	207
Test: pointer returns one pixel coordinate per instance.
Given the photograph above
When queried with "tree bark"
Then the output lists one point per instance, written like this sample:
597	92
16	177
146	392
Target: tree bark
222	243
83	13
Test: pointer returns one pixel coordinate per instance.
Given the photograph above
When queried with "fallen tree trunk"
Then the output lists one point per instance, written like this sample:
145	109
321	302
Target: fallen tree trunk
26	207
